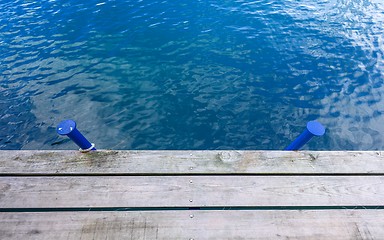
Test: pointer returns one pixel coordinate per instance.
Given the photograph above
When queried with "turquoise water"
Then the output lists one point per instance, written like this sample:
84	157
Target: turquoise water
192	74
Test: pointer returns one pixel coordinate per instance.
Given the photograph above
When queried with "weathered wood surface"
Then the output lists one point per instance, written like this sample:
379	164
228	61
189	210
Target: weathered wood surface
67	181
308	224
182	191
190	162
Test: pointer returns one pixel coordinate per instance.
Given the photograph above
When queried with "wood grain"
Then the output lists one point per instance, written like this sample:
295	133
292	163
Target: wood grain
68	180
186	191
190	162
284	224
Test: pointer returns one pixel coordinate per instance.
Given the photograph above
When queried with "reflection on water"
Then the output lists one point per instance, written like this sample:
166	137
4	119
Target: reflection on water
192	74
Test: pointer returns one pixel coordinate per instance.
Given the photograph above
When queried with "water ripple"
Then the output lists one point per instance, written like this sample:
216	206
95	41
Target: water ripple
192	74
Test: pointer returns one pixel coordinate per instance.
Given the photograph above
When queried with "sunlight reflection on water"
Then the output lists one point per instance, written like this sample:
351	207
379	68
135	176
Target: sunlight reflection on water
192	75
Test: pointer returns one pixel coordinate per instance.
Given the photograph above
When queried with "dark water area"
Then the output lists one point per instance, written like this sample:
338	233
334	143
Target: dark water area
192	74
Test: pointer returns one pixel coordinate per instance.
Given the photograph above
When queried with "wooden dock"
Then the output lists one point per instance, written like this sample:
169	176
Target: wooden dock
191	195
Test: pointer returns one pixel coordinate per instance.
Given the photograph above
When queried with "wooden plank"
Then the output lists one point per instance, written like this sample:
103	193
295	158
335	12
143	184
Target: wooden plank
190	162
174	191
285	224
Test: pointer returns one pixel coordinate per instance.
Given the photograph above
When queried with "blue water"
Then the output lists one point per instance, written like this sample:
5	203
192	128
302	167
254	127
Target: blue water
192	74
